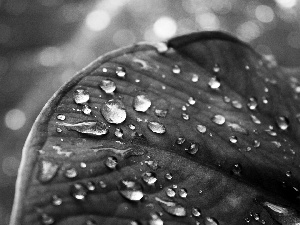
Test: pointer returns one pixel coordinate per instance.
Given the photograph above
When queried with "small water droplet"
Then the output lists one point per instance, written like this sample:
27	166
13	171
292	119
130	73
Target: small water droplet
176	69
78	191
155	220
94	128
81	96
196	212
233	139
61	117
182	193
114	111
195	78
193	148
201	128
236	104
226	99
121	72
91	186
119	133
161	47
288	173
180	140
152	164
47	171
271	132
185	116
172	208
265	100
161	113
111	162
141	103
282	122
256	143
252	103
102	184
214	83
131	127
58	130
156	127
168	176
149	178
210	221
83	165
237	169
255	119
170	192
216	68
108	86
218	119
191	101
47	220
86	110
71	173
56	200
131	190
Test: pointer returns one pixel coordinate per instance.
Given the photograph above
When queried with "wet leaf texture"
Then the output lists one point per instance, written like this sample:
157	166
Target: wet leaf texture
200	130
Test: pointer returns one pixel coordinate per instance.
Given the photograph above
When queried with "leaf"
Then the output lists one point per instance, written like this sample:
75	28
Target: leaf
202	130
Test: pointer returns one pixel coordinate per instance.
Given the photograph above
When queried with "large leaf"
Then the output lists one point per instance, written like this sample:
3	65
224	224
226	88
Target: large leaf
202	130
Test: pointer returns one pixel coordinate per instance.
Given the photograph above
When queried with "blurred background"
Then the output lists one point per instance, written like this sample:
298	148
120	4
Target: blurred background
44	42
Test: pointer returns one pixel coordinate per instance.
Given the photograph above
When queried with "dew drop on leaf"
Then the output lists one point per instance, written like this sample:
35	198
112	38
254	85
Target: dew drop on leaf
180	140
172	208
191	101
131	190
71	173
282	122
61	117
256	143
218	119
214	83
81	96
111	162
195	78
141	103
91	186
168	176
170	192
86	110
182	193
78	191
288	173
155	220
237	169
193	148
94	128
156	127
252	103
196	212
255	119
216	68
56	200
108	86
47	220
160	113
114	111
233	139
121	72
119	133
185	116
201	128
47	171
161	47
236	104
210	221
149	178
176	69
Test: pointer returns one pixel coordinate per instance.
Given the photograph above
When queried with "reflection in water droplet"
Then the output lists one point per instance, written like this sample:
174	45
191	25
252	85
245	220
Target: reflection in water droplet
47	171
47	220
61	117
111	162
71	173
218	119
210	221
195	78
56	200
94	128
201	128
214	83
155	220
161	113
191	101
108	86
170	192
78	191
156	127
237	169
233	139
172	208
236	104
168	176
176	69
182	193
114	111
149	178
119	133
86	110
252	103
121	72
131	190
282	122
141	103
255	119
81	96
180	140
196	212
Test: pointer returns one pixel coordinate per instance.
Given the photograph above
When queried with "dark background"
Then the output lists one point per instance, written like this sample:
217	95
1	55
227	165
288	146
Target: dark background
44	42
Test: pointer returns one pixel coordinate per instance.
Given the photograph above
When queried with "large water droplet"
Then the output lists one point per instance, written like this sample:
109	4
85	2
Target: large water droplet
201	128
47	220
282	122
214	83
218	119
252	103
94	128
78	191
47	171
114	111
172	208
131	190
81	96
161	113
149	178
121	72
108	86
210	221
141	103
176	69
111	162
156	127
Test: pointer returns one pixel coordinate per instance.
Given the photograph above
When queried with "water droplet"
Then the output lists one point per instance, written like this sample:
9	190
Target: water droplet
58	130
168	176
233	139
182	193
71	173
156	127
86	110
185	116
196	212
193	148
252	103
237	169
256	143
91	186
83	165
131	190
47	220
78	191
81	96
161	113
56	200
161	47
201	128
47	171
191	101
276	143
108	86
114	111
176	69
218	119
152	164
102	184
210	221
172	208
255	119
282	122
61	117
155	220
226	99
288	173
265	100
216	68
111	162
94	128
149	178
214	83
180	140
141	103
131	127
119	133
121	72
170	192
195	78
236	104
271	132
